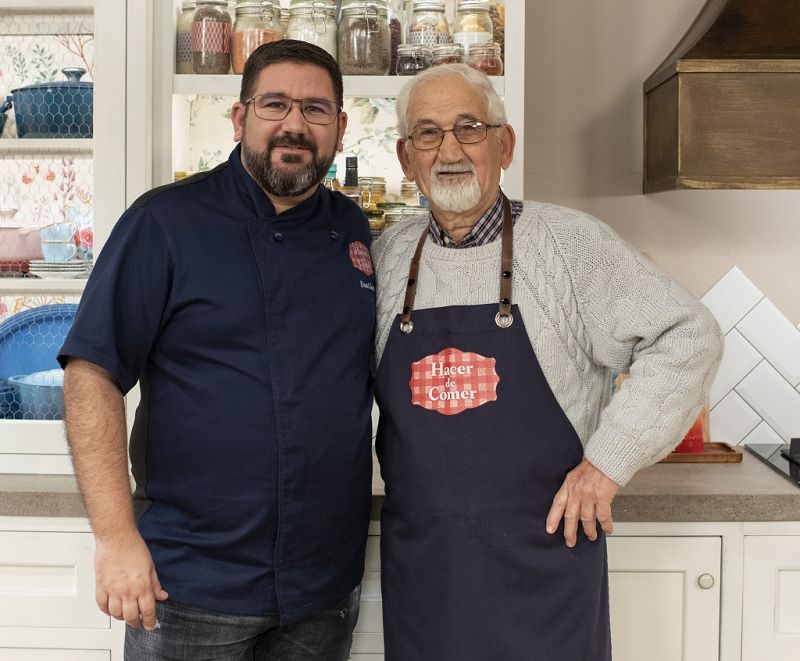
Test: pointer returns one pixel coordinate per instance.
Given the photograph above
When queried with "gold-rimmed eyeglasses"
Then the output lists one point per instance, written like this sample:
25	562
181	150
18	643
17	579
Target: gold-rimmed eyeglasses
467	133
275	107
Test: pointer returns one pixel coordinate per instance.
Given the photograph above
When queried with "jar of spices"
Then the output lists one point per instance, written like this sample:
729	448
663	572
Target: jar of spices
447	54
211	37
254	26
409	192
183	38
411	59
473	24
373	193
486	58
315	23
364	39
428	26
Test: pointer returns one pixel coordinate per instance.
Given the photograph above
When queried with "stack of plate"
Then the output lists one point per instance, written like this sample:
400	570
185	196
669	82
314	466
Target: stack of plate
74	268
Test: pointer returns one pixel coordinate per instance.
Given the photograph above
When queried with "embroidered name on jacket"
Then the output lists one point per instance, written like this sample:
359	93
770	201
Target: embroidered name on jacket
453	381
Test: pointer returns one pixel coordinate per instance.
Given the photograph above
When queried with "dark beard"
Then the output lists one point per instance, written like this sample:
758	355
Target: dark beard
278	181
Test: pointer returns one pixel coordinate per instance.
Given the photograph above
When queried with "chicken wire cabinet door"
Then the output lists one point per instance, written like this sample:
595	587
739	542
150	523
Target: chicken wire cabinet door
665	598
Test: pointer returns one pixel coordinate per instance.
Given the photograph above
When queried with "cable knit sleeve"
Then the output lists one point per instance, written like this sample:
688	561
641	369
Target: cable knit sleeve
635	317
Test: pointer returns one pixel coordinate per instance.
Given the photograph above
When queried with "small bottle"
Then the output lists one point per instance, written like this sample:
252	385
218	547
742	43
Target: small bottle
183	38
350	187
211	37
330	178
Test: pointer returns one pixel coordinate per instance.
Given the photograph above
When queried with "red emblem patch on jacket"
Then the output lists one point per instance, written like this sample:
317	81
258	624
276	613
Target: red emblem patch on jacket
359	255
453	381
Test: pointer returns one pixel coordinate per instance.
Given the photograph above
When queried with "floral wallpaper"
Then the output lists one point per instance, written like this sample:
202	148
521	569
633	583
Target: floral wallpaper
370	136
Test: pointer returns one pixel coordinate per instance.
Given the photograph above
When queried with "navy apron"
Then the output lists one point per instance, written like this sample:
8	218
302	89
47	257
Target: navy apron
473	447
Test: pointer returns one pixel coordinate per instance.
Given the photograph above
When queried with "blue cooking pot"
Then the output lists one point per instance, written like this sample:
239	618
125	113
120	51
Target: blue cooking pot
58	109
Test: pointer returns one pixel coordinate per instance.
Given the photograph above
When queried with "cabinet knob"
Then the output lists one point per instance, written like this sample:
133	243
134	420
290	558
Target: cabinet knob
705	581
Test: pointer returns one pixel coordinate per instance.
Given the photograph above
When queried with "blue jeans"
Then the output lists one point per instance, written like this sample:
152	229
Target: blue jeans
187	633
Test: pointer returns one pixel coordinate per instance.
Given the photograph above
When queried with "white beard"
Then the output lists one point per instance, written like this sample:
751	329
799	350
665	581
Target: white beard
454	196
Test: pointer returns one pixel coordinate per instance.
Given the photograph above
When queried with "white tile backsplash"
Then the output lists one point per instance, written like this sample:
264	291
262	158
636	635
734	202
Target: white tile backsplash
739	359
762	434
773	398
775	337
732	298
759	378
732	419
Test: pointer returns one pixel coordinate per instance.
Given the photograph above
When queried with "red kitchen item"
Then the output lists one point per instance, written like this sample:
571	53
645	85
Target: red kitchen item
692	443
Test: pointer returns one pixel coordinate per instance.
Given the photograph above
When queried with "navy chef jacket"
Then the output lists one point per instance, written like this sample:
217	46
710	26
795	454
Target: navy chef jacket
250	335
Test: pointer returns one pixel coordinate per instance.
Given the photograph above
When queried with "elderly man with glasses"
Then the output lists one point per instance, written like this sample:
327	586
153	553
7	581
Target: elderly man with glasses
499	323
242	300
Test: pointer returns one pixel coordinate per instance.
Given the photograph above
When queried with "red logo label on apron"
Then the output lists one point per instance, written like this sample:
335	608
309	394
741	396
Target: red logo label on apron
453	381
359	255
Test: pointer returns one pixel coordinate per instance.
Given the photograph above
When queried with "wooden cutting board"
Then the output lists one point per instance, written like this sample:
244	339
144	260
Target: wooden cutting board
712	453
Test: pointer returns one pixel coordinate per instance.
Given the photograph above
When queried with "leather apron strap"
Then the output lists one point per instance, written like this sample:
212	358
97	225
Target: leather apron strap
503	318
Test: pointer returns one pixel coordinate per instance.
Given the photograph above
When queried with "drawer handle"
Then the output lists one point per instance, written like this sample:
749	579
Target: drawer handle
706	581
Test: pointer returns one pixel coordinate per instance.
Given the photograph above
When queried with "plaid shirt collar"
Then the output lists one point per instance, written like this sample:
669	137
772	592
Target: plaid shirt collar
485	230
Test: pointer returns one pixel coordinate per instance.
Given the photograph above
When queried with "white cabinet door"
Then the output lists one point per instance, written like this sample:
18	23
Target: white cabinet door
665	598
47	580
771	604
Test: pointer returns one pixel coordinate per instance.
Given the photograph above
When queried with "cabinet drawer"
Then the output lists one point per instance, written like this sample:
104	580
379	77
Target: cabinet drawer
10	654
47	580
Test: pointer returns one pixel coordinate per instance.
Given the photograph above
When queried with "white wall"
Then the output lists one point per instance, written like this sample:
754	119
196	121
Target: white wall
586	62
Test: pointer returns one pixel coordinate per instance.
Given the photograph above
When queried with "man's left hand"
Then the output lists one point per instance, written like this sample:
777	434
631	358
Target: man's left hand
585	496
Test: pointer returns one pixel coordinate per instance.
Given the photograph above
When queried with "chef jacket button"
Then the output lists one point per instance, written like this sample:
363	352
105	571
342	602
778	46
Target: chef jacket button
278	237
334	235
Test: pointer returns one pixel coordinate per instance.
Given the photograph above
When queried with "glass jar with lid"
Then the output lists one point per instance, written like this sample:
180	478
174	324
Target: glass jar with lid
486	58
447	54
411	59
373	193
409	192
364	39
183	37
211	37
473	24
254	26
428	26
315	23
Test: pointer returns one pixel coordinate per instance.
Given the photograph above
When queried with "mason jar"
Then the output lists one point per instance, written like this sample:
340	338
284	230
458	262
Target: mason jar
183	37
411	59
211	37
315	23
254	26
447	54
486	58
428	26
473	25
373	193
364	39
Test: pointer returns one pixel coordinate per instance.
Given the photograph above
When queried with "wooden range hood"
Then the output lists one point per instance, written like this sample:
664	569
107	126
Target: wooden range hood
723	110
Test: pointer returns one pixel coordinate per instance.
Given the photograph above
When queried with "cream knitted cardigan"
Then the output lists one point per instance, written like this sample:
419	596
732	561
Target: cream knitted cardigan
590	304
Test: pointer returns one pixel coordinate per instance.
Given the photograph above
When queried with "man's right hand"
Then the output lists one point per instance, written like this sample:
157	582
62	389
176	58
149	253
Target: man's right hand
127	586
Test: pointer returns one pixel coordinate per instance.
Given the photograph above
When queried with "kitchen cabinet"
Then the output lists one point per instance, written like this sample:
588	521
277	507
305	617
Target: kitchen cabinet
47	606
771	596
87	173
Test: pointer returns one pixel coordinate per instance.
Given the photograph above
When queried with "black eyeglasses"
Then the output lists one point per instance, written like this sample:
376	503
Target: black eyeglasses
275	107
467	133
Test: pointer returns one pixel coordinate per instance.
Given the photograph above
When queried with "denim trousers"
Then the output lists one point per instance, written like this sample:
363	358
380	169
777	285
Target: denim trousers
186	633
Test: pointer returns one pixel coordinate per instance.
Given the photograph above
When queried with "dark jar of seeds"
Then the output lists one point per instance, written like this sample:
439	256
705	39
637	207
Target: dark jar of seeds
411	59
211	37
364	39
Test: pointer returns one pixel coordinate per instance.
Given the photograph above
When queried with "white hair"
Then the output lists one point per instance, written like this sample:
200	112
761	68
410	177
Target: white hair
495	107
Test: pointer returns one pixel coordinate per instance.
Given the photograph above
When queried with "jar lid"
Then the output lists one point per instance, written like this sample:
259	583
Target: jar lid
253	5
428	5
380	5
472	5
212	2
188	4
304	7
412	49
448	49
484	49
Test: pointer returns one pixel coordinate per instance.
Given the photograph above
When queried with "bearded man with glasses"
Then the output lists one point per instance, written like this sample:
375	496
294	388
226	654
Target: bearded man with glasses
499	323
242	300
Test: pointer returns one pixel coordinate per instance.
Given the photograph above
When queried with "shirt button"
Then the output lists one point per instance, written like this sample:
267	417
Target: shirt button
334	235
278	237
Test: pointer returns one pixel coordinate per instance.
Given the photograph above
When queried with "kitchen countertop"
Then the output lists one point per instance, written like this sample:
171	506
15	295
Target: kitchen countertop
746	491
